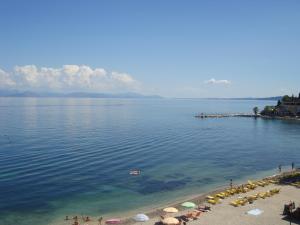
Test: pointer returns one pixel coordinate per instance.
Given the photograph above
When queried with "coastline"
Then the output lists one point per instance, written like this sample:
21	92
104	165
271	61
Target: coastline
155	212
197	199
248	115
281	118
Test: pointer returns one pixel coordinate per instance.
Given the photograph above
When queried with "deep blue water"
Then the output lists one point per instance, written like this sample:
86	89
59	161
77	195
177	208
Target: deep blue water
67	156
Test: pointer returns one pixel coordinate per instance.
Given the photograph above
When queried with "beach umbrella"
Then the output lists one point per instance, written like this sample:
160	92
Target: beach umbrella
141	218
189	204
170	221
170	210
113	221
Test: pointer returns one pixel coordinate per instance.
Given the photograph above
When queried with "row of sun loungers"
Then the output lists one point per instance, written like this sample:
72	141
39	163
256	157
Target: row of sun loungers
250	199
237	190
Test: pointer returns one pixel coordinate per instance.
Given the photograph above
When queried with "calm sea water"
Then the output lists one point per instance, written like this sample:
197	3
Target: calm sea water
72	156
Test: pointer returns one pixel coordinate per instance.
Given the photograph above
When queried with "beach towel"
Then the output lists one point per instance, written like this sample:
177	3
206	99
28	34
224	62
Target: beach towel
255	212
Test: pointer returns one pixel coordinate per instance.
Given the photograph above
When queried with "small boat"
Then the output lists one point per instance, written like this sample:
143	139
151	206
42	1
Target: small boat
135	172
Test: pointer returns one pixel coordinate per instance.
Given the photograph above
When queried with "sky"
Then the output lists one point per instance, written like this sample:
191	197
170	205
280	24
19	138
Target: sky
191	48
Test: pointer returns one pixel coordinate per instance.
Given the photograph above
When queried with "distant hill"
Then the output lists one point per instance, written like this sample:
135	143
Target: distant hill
14	93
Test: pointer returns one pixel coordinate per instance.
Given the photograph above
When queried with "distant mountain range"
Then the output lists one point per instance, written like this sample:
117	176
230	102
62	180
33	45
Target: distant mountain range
14	93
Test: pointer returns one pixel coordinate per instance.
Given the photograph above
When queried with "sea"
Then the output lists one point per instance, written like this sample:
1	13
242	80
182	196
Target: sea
72	156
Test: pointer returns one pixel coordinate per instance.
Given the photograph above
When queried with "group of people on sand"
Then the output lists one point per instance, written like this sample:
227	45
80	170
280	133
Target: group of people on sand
84	219
279	167
189	216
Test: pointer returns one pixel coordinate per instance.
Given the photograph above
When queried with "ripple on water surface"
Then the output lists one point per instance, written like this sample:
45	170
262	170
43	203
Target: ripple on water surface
66	156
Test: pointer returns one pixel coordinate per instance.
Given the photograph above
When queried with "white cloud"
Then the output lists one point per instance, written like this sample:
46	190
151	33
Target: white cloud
70	69
214	81
67	78
5	80
122	77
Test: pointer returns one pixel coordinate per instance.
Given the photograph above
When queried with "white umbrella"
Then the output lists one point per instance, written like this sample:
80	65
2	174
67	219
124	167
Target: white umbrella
141	218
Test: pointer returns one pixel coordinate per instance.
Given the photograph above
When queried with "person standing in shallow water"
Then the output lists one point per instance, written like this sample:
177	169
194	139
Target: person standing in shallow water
293	165
279	168
231	183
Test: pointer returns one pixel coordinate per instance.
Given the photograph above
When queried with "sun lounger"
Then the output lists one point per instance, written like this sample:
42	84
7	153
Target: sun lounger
220	195
203	208
262	195
242	201
234	203
268	194
254	197
212	201
184	218
210	197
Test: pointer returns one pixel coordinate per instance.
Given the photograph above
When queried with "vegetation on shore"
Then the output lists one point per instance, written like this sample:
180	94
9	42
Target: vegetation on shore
288	106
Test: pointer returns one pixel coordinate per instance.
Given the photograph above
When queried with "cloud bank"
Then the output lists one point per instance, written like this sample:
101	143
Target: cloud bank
67	78
214	81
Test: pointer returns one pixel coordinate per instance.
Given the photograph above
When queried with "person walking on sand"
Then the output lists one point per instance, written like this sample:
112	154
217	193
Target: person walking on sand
100	220
279	168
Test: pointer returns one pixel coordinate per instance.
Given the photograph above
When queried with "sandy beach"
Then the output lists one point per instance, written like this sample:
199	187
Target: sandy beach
224	213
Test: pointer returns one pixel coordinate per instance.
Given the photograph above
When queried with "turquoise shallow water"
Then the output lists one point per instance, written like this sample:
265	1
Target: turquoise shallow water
72	156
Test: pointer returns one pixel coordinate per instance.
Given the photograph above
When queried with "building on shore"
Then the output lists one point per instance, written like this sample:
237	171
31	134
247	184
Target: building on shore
287	106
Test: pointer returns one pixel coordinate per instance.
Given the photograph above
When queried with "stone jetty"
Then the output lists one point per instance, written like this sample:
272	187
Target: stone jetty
222	115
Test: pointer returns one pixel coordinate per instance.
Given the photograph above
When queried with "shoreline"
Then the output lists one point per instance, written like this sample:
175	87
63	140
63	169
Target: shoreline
197	199
156	211
280	118
248	115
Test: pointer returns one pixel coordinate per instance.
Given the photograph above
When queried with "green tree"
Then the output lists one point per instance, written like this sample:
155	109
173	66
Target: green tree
286	98
255	110
278	103
268	110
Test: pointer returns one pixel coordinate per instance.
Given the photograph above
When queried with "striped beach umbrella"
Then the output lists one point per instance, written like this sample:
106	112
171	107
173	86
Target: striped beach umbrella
113	221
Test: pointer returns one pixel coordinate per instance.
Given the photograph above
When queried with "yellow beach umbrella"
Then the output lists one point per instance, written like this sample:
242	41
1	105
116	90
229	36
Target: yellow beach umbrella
170	210
170	221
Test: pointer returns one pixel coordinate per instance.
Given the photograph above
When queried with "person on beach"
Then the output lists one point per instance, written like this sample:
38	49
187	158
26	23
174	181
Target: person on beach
100	220
87	219
293	165
67	218
279	168
230	183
